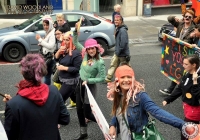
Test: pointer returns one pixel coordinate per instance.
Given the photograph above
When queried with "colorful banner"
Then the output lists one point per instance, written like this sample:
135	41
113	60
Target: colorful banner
3	135
173	51
101	121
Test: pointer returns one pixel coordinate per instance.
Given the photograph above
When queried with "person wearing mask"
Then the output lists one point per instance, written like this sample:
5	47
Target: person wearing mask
184	29
36	110
122	53
47	45
61	22
189	90
131	103
70	60
92	71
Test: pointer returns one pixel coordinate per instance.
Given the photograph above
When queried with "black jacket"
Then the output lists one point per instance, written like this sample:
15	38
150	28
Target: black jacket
122	43
186	87
65	26
24	120
179	26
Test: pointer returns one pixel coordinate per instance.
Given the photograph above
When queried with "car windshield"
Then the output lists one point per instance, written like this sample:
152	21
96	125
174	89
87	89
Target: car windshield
28	22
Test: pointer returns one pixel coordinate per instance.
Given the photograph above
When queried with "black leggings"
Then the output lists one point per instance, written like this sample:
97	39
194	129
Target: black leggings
83	110
188	120
68	91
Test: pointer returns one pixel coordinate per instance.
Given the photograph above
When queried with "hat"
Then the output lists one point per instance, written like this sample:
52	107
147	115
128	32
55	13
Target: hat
92	43
124	71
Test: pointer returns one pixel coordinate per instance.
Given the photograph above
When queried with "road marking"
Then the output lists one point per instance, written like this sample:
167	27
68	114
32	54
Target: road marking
4	63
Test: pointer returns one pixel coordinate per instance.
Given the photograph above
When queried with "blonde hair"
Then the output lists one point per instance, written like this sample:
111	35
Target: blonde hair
117	6
60	15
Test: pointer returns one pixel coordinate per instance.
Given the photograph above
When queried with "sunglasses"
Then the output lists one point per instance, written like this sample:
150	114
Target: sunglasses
188	17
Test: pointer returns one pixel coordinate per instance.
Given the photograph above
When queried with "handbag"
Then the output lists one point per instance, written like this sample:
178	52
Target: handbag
55	77
47	57
150	132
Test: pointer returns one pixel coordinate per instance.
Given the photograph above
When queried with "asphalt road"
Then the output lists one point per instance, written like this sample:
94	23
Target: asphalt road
145	60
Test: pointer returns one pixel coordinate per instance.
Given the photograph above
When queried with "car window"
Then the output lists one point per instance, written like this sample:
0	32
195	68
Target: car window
94	21
72	19
29	21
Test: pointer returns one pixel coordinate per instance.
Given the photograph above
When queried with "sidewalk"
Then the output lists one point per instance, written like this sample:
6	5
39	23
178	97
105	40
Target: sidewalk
140	29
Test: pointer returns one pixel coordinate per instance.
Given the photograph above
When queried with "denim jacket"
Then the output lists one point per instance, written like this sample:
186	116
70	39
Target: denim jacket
137	114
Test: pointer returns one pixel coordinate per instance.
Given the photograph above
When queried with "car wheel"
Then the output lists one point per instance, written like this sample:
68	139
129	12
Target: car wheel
103	45
13	52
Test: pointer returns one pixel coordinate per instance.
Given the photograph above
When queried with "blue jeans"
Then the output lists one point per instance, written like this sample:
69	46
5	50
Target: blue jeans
47	78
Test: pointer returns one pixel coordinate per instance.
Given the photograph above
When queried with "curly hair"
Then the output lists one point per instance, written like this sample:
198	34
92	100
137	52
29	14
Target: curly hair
33	68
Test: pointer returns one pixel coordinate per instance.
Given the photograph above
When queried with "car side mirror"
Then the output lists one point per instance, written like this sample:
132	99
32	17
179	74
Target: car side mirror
34	28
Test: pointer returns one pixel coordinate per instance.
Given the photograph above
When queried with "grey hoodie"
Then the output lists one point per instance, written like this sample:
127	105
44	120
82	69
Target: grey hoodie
122	43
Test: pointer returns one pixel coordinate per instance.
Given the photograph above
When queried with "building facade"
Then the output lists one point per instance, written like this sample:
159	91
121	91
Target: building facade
129	7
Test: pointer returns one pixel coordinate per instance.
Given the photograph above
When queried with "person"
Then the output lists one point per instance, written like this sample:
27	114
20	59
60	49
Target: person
128	96
122	53
61	22
196	35
59	32
70	60
184	29
47	45
33	114
189	89
92	71
184	8
117	9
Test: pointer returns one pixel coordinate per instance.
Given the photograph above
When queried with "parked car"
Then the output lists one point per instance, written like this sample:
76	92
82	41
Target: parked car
167	28
18	40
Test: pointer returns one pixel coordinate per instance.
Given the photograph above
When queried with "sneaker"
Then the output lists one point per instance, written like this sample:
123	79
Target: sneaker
71	106
165	91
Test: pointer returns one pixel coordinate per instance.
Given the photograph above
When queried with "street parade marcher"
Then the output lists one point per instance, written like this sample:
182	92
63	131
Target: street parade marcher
47	45
122	53
61	22
196	35
92	71
70	60
117	9
184	29
131	103
189	89
36	110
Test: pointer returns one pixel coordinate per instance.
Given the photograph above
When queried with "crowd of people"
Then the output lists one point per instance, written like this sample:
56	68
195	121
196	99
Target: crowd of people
74	65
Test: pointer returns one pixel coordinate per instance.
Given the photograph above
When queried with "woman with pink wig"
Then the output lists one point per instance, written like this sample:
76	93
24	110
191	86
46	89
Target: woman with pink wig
131	104
92	65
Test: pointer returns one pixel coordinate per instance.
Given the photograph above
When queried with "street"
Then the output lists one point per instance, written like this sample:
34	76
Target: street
145	60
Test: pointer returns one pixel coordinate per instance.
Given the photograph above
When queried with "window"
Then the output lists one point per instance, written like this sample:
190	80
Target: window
73	19
93	20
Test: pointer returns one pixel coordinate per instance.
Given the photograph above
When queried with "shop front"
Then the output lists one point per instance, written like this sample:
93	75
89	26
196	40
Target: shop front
28	6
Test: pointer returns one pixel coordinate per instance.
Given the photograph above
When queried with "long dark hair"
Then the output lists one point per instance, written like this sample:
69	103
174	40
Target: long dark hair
193	59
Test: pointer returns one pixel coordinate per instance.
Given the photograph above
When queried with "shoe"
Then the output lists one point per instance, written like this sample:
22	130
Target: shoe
165	91
82	135
71	106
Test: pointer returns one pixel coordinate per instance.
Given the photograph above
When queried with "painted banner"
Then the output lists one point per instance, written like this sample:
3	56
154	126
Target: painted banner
173	51
3	135
101	121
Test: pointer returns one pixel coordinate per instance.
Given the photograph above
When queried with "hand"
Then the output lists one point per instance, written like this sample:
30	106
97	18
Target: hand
7	97
112	132
110	89
85	82
37	36
164	103
62	49
194	76
61	67
193	34
194	46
